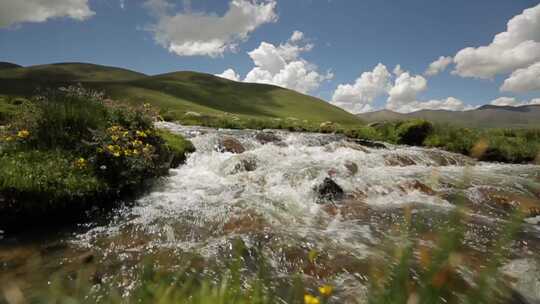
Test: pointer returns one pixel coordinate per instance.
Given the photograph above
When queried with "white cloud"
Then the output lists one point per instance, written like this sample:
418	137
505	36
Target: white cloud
398	70
282	65
402	89
405	90
229	74
189	33
438	66
297	36
512	101
523	80
517	47
449	104
359	96
18	11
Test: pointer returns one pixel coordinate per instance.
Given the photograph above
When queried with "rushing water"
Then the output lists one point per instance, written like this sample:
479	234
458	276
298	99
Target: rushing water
265	197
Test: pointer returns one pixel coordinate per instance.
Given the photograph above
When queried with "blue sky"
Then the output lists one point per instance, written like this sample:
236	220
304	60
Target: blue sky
340	40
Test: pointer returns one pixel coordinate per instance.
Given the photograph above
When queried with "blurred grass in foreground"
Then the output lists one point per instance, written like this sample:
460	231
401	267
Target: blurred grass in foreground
413	273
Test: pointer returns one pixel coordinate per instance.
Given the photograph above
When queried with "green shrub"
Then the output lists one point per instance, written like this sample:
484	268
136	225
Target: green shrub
413	132
366	132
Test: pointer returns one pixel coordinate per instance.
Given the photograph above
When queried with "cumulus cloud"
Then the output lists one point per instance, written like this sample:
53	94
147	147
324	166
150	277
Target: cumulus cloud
517	47
401	87
398	70
283	66
449	104
13	12
405	91
438	66
229	74
359	96
193	33
523	80
512	101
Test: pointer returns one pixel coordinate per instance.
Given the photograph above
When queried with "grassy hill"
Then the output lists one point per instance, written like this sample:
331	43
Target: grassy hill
178	93
488	116
8	65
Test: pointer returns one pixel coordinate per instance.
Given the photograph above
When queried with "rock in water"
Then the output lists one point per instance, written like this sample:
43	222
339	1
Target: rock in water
329	191
230	144
267	137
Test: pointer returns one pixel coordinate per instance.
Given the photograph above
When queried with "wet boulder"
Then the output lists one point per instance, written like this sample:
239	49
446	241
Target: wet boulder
329	191
240	163
351	167
368	143
230	144
397	160
267	137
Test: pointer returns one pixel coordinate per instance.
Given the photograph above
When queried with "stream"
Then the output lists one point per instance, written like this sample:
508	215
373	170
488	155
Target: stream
265	198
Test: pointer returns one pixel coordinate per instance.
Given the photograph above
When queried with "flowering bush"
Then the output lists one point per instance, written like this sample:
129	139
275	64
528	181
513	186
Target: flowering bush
113	143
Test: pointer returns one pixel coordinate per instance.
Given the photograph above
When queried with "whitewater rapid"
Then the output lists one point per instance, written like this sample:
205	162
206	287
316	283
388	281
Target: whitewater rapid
266	198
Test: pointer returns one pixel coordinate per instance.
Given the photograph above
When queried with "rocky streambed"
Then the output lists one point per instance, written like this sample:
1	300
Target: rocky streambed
288	195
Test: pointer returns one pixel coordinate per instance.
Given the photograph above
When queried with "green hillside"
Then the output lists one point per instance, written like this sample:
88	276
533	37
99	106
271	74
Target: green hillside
178	93
70	72
488	116
8	65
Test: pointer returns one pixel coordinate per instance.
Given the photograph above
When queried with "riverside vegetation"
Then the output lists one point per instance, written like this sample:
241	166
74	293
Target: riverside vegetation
498	145
68	150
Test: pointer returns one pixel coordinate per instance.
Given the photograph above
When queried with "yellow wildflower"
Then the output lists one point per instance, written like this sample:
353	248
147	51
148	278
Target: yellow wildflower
141	134
125	134
147	148
135	152
114	138
23	134
146	105
137	143
80	163
9	138
309	299
114	128
127	152
116	154
326	290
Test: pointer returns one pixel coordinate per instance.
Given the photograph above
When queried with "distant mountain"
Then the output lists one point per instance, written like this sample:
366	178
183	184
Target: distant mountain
8	65
488	116
178	92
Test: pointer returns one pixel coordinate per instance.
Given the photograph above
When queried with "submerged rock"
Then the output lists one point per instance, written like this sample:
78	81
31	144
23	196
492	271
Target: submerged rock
416	185
329	191
230	144
506	203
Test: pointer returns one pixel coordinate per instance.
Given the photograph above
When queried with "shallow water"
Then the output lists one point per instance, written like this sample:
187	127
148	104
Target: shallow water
215	199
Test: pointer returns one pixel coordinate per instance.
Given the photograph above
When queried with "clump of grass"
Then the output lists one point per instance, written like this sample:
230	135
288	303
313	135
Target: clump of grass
409	272
177	145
